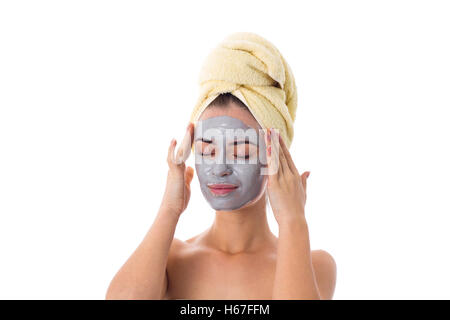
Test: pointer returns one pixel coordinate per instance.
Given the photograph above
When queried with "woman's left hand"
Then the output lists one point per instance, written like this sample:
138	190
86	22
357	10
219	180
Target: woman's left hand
286	187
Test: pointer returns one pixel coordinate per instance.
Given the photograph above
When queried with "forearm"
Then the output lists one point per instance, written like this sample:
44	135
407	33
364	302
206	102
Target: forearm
294	275
142	275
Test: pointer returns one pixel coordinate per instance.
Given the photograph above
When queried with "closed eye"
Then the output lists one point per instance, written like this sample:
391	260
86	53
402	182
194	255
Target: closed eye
244	150
207	154
242	157
204	148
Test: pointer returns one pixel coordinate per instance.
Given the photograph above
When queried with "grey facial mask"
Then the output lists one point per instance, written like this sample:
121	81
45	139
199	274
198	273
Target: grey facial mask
221	164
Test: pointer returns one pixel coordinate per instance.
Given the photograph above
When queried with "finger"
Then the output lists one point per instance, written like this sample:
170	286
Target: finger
272	161
173	166
170	152
273	158
288	157
276	150
188	175
185	147
190	128
306	180
304	176
268	151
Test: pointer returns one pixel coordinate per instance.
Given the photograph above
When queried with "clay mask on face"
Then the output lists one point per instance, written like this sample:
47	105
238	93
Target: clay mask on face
229	156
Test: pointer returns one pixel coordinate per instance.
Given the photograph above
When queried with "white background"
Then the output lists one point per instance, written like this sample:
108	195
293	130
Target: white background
91	92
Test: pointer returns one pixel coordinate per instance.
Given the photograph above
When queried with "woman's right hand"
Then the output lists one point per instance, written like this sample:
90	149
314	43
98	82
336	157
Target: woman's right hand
178	191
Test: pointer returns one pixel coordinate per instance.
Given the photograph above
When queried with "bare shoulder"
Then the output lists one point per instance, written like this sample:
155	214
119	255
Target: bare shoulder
323	259
177	248
177	245
182	249
185	257
325	271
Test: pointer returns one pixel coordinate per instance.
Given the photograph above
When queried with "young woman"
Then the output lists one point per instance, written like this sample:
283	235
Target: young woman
238	257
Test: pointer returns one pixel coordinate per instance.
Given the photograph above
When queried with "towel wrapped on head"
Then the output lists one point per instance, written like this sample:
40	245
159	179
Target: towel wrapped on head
252	69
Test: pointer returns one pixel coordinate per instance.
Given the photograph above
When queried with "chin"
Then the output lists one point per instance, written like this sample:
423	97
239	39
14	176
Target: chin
228	208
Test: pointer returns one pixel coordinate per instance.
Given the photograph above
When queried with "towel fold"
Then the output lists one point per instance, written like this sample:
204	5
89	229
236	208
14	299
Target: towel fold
251	68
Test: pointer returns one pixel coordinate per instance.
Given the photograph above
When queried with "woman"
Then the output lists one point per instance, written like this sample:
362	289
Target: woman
238	257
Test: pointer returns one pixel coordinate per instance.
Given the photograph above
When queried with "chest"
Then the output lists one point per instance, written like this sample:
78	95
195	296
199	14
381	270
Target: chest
212	277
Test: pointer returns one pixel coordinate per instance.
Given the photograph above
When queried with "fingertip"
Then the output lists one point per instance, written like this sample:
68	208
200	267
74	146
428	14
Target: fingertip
171	145
189	174
190	127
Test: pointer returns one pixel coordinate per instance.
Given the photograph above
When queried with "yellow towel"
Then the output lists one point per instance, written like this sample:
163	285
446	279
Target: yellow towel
251	68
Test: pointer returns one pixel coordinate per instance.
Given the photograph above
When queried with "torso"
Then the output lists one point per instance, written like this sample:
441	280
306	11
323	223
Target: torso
196	271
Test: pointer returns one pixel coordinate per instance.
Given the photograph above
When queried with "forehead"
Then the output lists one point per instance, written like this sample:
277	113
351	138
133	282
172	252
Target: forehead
234	111
221	123
227	126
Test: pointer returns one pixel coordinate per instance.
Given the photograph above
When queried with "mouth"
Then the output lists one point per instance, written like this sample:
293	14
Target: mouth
222	188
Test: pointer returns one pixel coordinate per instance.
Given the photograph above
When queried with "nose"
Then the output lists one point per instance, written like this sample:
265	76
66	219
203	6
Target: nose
221	170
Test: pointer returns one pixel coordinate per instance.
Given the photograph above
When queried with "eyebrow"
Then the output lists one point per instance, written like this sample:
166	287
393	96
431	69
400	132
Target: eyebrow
236	142
242	142
203	140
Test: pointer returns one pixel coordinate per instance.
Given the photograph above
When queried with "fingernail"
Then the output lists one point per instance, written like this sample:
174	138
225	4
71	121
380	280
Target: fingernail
269	150
307	174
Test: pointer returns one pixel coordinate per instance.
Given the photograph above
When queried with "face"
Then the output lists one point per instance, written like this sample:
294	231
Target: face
229	155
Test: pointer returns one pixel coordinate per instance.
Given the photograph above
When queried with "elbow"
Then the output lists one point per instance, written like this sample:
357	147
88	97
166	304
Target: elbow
116	292
128	293
314	296
111	296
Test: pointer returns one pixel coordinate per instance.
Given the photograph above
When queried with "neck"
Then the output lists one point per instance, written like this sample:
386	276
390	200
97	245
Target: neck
242	230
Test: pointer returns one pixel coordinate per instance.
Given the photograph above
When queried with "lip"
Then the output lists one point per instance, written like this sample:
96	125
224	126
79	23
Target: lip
222	188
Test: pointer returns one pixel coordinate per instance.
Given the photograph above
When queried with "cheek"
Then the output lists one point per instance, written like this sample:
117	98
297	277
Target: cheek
203	172
199	171
249	174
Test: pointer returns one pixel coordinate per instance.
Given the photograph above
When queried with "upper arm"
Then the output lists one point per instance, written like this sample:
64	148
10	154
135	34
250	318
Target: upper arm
174	249
165	286
325	272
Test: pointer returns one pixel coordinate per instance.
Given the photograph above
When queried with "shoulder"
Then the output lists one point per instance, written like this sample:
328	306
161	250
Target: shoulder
182	250
177	248
325	271
323	259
